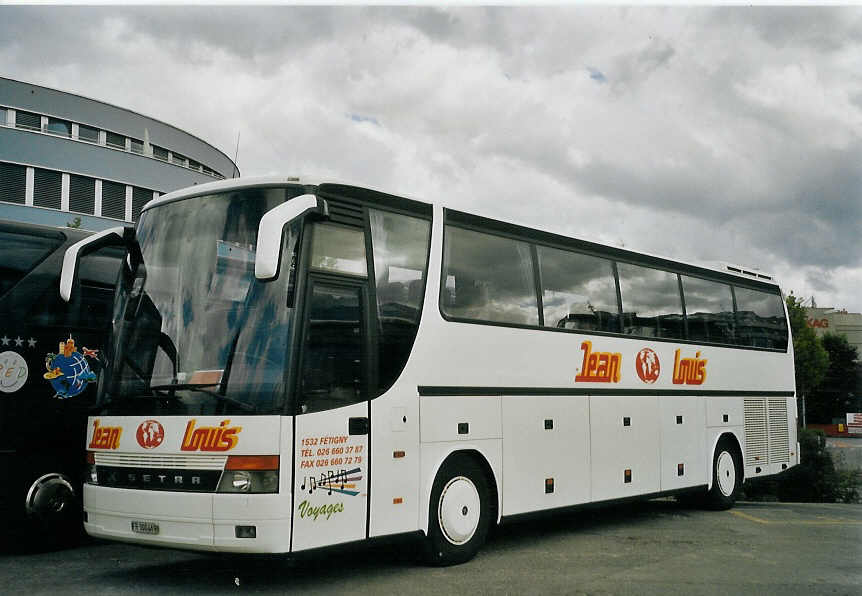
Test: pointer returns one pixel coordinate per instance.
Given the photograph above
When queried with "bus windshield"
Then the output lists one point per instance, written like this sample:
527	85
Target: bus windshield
194	331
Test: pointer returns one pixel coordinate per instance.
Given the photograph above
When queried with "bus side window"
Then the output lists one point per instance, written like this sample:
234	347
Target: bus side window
760	319
652	306
21	253
708	310
578	291
493	278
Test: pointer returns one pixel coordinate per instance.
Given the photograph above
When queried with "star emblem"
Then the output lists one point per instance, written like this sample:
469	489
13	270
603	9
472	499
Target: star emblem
5	340
19	342
31	343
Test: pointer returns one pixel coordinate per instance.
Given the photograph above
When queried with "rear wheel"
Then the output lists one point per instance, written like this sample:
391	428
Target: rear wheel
459	512
726	476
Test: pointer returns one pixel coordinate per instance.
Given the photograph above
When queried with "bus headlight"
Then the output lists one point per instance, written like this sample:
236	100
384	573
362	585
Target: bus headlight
250	474
90	475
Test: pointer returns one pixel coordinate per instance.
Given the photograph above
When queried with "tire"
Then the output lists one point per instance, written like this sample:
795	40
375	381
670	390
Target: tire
726	477
459	513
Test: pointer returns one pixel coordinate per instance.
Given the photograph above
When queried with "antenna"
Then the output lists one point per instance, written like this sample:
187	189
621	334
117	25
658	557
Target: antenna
236	153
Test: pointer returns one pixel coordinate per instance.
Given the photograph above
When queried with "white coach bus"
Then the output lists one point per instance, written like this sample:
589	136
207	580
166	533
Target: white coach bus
296	365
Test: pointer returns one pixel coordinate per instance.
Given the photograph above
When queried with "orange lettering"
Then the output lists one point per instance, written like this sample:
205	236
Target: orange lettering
210	438
599	367
689	371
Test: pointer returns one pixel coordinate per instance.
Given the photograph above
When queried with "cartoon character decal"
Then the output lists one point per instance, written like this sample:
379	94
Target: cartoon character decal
647	366
68	370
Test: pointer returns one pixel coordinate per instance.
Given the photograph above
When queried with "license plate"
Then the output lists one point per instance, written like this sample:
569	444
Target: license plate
145	527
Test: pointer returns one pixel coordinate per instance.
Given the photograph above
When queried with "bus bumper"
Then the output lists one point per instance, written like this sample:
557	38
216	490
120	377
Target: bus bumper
205	522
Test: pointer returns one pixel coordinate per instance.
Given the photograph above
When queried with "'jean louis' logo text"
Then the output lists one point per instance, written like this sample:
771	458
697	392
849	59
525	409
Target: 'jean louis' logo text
105	437
210	438
599	367
689	371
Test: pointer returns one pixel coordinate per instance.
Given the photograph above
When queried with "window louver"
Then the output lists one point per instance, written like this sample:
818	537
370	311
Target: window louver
113	200
82	194
47	188
13	183
140	197
756	432
28	120
114	140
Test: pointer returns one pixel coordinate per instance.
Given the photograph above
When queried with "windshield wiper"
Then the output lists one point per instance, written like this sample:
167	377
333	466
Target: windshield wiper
202	388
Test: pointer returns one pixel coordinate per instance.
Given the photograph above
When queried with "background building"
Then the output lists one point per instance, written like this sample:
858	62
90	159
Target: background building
64	156
840	322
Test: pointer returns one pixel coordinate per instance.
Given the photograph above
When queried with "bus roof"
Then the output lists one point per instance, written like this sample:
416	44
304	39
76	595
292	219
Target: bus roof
232	184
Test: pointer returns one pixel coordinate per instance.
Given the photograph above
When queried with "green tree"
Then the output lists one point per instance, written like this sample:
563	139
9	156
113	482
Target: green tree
811	358
75	223
834	397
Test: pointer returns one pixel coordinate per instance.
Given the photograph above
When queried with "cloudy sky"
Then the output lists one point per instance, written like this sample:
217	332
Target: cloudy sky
705	134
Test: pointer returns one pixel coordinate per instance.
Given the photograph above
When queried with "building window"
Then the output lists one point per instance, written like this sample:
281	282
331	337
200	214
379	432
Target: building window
28	120
59	127
113	200
194	165
114	140
82	194
47	185
160	153
13	183
137	146
88	133
178	159
3	112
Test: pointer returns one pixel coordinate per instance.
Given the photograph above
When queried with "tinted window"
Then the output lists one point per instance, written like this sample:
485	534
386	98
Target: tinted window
115	140
21	253
332	369
760	319
160	153
708	310
578	291
88	133
651	302
400	246
488	278
59	127
338	248
28	120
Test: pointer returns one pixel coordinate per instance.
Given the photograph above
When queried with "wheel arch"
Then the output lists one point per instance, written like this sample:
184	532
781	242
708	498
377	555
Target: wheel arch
478	456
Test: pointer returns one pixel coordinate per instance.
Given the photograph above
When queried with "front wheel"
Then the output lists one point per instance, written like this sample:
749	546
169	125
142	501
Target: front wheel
459	513
726	477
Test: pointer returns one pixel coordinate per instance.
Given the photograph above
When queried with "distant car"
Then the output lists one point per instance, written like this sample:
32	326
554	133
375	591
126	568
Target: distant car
50	361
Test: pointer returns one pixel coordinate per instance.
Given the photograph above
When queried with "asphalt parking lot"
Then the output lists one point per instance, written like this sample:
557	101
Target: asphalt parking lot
657	547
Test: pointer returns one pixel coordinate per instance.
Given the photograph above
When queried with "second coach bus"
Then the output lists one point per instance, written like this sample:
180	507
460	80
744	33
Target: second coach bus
296	365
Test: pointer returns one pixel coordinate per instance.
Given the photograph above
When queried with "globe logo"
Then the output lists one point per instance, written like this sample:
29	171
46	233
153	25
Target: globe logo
150	434
68	371
647	366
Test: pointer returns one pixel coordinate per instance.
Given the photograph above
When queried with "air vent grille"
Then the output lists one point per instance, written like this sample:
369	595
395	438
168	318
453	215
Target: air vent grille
132	460
756	432
779	434
345	213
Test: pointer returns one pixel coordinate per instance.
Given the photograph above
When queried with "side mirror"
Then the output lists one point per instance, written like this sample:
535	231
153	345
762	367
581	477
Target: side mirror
109	237
271	228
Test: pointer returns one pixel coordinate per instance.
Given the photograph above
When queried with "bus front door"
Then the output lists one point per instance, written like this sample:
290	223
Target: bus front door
330	493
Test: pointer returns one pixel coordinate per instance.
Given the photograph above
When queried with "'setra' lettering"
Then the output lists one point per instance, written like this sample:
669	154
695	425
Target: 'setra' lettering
210	438
689	371
105	437
599	367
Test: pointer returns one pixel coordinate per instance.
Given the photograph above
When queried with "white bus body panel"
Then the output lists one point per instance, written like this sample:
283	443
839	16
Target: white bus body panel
533	453
198	521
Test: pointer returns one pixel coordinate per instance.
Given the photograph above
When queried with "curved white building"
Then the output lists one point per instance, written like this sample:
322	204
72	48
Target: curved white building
64	156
